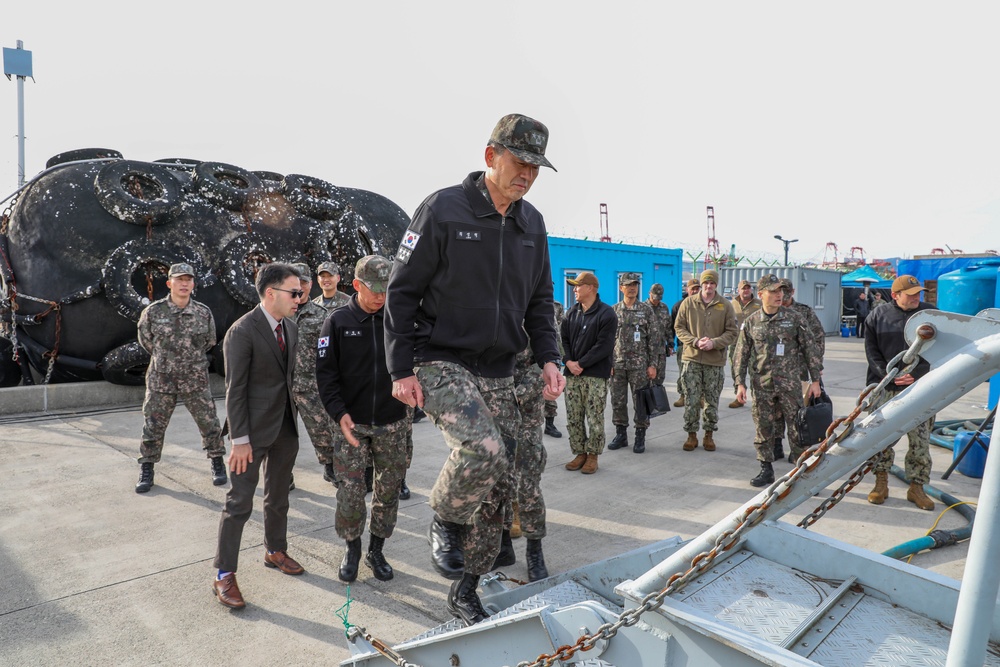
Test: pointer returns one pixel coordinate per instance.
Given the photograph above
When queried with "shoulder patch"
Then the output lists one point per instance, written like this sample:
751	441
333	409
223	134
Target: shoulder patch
410	240
403	254
324	341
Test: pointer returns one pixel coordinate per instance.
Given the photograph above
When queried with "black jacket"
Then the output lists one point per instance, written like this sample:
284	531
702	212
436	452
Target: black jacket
468	283
350	367
588	338
884	340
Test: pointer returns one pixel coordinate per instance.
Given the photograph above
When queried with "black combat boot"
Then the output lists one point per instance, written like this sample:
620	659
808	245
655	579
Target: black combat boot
418	414
779	450
145	478
766	475
219	476
550	428
621	438
376	561
640	441
349	566
506	555
446	548
463	601
404	490
536	561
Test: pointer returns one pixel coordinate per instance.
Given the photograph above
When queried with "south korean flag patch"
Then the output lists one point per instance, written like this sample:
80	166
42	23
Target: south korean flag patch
407	246
324	341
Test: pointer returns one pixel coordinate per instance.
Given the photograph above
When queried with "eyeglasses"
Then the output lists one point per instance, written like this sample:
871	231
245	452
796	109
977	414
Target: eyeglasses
296	293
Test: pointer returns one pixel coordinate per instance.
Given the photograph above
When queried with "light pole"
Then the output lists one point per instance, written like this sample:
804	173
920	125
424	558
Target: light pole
787	243
17	62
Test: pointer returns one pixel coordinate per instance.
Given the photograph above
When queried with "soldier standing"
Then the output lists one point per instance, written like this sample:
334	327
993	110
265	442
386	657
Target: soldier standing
551	407
818	340
744	305
356	390
328	277
705	325
178	333
451	352
309	318
665	326
771	347
692	287
634	361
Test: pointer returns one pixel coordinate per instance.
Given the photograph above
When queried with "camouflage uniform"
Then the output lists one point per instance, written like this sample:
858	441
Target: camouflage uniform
386	446
178	339
586	399
635	351
529	463
339	299
774	377
551	408
471	410
320	427
703	375
665	327
918	454
743	311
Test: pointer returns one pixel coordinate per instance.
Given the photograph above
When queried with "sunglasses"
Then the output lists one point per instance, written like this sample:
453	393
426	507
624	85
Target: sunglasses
296	293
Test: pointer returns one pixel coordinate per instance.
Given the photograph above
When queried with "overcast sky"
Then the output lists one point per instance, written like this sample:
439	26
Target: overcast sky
864	124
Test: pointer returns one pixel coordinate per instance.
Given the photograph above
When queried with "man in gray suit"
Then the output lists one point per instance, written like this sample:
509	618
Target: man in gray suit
259	352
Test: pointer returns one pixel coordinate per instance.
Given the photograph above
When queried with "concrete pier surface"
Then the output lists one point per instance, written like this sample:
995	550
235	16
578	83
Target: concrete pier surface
94	574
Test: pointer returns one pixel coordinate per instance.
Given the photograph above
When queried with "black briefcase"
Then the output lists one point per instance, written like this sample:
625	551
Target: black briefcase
652	400
814	419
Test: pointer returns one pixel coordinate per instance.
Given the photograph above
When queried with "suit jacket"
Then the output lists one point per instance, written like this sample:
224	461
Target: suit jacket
258	378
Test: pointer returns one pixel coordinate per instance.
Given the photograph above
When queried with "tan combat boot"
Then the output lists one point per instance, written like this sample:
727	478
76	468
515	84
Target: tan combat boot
515	526
708	442
735	404
679	403
917	496
691	443
577	463
881	490
590	467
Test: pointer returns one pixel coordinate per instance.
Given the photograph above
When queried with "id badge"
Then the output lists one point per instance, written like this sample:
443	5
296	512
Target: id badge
779	349
636	336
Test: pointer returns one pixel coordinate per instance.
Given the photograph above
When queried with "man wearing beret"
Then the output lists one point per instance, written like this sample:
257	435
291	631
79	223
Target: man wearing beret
178	332
705	325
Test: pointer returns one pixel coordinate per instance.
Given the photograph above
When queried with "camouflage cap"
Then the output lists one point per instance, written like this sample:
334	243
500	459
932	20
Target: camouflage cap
525	137
373	271
305	273
328	267
744	283
584	278
906	285
786	283
657	289
694	283
628	278
708	275
181	269
768	283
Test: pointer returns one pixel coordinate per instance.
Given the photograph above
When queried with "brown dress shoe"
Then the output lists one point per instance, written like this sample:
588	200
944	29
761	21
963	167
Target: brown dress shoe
283	562
736	404
691	443
227	592
707	442
577	463
590	467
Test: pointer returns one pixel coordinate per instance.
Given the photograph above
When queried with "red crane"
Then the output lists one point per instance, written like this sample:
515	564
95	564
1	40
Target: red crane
713	243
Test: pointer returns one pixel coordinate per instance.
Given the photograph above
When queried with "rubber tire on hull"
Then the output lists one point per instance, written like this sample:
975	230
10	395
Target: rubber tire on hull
126	364
82	154
272	176
118	201
329	204
239	260
126	259
227	185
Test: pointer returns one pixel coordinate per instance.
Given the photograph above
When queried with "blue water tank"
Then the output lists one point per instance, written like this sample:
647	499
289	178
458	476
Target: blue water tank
974	462
970	289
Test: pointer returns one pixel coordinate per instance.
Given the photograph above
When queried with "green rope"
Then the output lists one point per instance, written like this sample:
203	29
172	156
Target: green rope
344	610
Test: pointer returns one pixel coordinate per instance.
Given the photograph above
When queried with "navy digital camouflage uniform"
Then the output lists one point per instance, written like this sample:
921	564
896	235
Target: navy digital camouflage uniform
178	340
529	462
320	427
772	350
635	351
551	408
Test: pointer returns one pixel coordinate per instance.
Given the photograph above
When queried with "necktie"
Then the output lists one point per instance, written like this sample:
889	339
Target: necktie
281	338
